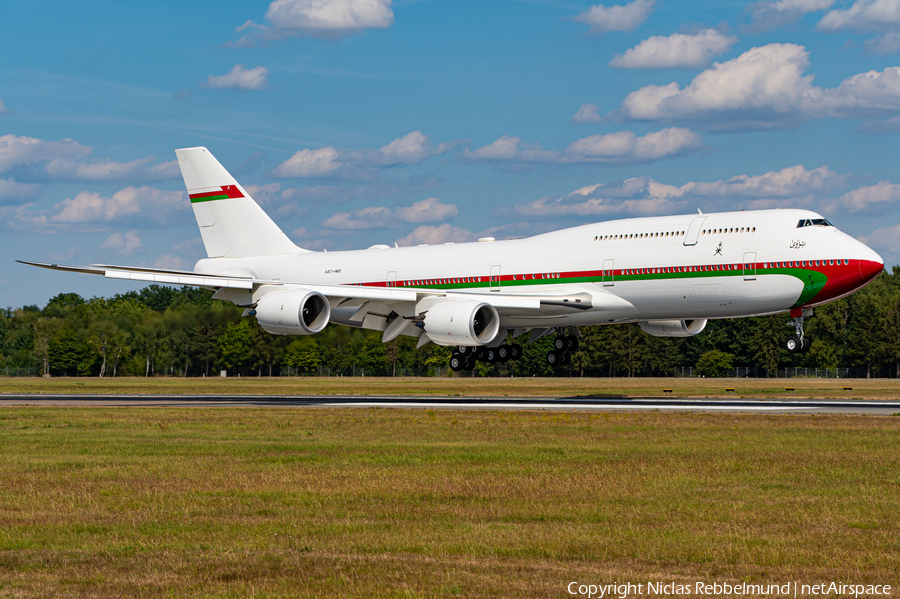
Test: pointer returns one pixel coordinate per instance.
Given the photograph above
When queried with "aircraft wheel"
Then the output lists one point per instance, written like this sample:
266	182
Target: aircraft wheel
469	364
565	359
503	353
560	343
793	344
480	353
463	350
807	343
572	342
490	356
515	352
552	358
456	363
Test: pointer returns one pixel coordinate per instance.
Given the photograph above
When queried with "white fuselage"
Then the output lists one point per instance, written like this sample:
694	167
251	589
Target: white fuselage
720	265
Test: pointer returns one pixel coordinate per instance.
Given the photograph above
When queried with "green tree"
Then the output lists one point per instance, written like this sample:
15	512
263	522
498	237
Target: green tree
235	344
715	363
769	341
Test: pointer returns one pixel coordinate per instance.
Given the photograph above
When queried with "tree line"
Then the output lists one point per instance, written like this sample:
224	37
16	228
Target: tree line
166	331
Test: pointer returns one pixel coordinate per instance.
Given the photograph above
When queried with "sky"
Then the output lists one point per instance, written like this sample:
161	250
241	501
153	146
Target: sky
362	122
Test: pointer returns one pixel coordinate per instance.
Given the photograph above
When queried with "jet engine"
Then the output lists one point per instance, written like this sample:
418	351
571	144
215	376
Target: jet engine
293	312
673	328
462	323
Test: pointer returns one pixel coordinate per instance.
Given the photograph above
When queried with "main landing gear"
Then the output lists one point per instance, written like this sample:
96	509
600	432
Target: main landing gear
465	358
563	345
799	342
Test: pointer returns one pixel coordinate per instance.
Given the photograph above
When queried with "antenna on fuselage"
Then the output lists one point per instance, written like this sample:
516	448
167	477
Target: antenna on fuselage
699	211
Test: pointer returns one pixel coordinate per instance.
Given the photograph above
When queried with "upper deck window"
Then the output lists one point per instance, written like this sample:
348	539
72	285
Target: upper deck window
813	222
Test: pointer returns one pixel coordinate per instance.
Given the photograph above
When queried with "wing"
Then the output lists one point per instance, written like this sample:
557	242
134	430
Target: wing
335	293
393	310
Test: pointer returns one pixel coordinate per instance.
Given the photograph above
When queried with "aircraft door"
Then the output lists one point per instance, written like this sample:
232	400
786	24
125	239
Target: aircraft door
749	266
608	268
392	278
495	277
693	232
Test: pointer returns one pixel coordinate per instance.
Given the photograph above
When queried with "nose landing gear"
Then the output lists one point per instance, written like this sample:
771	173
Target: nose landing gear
799	342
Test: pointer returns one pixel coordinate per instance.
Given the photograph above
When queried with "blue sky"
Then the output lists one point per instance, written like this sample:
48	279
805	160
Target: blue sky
356	122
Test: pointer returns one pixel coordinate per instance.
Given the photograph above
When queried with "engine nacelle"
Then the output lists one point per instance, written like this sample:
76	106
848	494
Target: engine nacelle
293	312
462	323
673	328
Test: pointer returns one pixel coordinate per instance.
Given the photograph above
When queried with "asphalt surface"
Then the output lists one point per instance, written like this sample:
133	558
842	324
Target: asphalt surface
776	406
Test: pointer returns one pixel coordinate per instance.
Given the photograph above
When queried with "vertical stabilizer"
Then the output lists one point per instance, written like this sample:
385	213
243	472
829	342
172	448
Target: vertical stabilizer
231	223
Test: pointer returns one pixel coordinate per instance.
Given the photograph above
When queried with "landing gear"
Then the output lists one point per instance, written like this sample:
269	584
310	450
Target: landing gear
798	342
563	345
465	358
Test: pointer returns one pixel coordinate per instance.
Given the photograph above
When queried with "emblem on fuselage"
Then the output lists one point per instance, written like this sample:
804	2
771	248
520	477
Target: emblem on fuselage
718	249
797	244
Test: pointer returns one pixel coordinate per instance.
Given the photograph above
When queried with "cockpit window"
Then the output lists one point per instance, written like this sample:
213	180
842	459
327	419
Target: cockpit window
813	222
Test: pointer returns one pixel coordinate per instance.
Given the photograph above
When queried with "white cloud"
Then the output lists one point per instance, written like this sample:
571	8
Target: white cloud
310	163
886	240
22	151
182	257
126	245
380	217
430	210
643	196
14	192
132	204
412	148
873	200
3	108
628	17
330	19
675	51
790	182
763	88
109	170
240	78
618	147
323	19
265	194
640	195
93	211
770	14
587	113
62	160
863	15
889	43
441	234
505	148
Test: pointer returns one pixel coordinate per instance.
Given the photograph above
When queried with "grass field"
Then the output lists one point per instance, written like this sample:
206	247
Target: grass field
451	386
230	502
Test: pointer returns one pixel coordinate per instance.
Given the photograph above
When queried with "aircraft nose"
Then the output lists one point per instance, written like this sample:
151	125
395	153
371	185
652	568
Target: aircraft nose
870	264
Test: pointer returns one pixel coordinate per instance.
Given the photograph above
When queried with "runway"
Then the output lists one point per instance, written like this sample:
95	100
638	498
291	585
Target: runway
778	406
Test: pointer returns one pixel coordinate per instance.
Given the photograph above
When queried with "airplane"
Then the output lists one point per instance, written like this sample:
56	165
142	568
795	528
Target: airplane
670	274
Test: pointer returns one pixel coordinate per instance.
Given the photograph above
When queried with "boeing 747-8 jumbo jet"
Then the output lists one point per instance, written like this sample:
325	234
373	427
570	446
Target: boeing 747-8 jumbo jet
670	274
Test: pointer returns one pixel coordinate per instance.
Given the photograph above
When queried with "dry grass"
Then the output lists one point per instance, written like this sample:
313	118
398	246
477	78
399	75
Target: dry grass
472	387
389	503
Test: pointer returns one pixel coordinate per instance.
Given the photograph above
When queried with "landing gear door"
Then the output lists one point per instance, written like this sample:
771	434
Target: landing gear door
495	277
693	232
608	268
749	266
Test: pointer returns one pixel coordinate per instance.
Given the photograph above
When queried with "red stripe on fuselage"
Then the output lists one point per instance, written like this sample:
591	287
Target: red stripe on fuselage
842	279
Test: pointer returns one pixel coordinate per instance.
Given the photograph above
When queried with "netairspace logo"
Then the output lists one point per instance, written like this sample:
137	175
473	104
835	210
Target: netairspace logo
717	589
